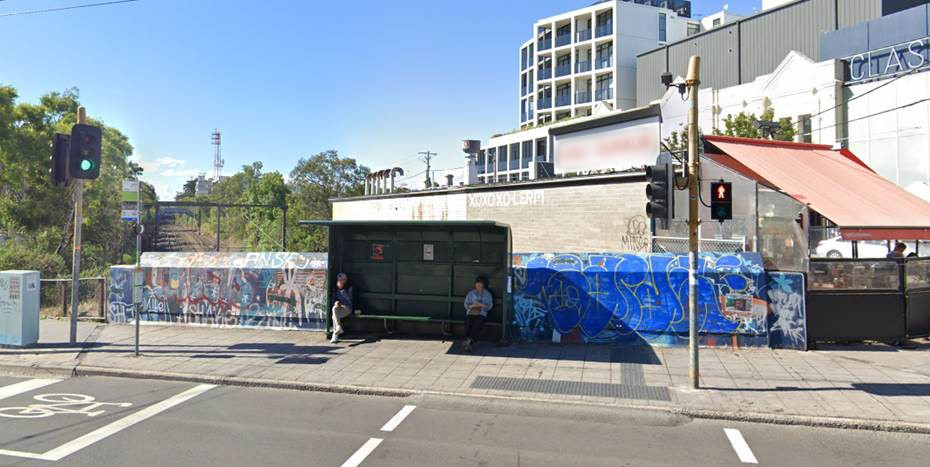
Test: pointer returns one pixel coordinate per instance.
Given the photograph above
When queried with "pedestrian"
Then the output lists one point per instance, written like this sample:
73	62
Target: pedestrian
478	302
342	306
898	251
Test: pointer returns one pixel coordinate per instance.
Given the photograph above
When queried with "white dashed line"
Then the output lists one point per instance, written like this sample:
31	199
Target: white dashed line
362	452
740	446
398	418
25	386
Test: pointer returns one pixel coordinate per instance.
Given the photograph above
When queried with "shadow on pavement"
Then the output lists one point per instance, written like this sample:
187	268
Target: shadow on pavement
282	352
878	389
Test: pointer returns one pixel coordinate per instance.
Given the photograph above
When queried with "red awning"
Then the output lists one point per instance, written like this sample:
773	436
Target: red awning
835	183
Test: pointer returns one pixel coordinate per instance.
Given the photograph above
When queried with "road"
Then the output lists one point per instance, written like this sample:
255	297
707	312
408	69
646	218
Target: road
142	423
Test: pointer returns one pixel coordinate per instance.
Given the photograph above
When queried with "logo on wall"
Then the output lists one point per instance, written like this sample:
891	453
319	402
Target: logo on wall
377	252
620	146
905	57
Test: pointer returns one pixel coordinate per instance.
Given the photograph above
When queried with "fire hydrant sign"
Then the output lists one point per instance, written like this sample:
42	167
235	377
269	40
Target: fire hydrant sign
130	208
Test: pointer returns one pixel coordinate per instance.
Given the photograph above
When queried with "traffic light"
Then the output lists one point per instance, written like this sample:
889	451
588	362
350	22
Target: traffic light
660	179
721	201
59	159
84	156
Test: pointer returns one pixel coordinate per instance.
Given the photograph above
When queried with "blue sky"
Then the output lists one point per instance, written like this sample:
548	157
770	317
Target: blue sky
375	80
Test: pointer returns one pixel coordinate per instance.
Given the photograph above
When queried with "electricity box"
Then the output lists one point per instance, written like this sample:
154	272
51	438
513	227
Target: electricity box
19	308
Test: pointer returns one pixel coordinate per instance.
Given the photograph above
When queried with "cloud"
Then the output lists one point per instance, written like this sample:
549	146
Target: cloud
186	173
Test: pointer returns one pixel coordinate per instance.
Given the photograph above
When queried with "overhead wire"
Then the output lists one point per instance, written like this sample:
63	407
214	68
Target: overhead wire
63	8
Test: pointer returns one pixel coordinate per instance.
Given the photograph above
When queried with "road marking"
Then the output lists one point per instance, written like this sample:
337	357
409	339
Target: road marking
25	386
362	452
740	446
399	417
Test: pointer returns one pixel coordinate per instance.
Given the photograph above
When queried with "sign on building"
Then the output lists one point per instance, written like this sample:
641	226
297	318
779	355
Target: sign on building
620	146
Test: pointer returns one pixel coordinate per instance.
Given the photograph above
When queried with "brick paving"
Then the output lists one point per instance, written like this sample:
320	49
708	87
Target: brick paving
878	382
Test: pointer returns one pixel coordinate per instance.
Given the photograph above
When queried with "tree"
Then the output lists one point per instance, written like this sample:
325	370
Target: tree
314	181
744	125
188	191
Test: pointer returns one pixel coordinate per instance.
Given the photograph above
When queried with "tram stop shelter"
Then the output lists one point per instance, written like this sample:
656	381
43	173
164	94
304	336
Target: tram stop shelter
412	276
885	299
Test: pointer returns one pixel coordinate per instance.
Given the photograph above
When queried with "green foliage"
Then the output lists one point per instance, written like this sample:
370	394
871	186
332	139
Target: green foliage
743	125
314	181
37	217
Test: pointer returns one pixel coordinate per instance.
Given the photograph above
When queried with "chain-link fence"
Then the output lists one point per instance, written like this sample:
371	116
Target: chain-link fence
705	245
55	298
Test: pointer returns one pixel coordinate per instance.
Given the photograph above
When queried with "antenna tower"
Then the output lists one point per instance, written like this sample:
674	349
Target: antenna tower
217	156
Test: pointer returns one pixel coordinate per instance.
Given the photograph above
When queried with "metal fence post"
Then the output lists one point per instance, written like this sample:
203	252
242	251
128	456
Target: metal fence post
63	291
101	287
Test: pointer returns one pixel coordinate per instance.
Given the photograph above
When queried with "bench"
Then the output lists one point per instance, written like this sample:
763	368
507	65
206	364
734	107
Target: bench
420	319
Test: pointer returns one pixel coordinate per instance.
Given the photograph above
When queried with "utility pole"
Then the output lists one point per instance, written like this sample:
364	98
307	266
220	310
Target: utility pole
137	299
694	171
427	157
76	252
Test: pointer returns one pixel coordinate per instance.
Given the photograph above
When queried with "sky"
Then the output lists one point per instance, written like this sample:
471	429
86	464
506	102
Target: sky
377	81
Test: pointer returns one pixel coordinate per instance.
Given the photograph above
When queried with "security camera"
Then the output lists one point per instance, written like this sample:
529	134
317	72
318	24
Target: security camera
667	79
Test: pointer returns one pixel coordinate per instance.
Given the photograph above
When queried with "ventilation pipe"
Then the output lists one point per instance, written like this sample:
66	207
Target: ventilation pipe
394	173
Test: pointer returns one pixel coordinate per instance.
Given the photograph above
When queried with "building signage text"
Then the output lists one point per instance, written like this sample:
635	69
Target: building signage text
908	56
504	199
618	147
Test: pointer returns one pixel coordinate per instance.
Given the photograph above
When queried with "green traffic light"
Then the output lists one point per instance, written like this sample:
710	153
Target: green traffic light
86	165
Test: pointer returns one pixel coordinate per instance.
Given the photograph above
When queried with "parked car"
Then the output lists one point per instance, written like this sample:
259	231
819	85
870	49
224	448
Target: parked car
836	247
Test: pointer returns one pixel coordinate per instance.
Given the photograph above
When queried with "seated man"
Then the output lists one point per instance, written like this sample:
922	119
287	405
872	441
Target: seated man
478	303
342	306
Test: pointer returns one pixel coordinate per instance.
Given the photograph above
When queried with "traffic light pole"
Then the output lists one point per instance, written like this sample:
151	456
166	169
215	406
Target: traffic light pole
76	254
694	171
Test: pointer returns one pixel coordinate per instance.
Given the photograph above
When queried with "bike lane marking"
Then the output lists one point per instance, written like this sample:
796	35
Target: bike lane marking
25	386
112	428
397	419
362	452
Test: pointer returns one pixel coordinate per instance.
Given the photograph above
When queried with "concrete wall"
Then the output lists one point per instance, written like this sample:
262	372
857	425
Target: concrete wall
642	299
583	218
265	290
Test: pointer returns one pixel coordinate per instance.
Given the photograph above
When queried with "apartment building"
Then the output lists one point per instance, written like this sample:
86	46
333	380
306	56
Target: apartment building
589	55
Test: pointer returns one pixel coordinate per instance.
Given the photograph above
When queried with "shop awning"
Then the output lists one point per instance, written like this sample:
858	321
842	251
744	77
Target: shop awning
835	183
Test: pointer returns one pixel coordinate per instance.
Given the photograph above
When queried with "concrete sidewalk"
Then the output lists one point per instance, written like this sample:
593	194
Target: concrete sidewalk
873	387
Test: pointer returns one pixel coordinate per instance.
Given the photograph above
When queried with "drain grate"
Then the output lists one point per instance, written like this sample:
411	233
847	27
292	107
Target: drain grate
574	388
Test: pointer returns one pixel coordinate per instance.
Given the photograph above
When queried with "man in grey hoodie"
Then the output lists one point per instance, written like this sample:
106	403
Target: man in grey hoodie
342	306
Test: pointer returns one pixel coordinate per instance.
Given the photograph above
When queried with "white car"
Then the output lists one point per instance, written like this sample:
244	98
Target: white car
836	247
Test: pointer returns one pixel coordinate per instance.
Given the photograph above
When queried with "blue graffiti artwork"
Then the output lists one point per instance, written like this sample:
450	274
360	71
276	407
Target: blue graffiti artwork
628	297
787	317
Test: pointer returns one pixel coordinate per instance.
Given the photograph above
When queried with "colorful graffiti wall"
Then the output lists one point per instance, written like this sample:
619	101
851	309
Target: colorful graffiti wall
643	299
272	290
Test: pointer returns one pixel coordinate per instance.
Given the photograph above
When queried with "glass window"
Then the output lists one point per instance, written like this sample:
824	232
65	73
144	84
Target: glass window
804	128
693	28
917	273
854	275
662	25
715	23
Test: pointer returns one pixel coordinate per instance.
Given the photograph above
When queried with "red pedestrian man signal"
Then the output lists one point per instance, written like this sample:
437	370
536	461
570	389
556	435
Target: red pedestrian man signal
721	203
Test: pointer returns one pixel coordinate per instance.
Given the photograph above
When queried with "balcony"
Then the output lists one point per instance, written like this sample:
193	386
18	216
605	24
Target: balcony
604	30
544	44
582	97
544	104
604	94
582	67
545	73
562	100
581	36
563	69
603	62
563	39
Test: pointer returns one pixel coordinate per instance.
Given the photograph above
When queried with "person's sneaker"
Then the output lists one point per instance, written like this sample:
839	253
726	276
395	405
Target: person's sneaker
335	339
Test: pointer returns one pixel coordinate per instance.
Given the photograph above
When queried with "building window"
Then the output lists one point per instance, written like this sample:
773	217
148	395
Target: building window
605	53
662	24
715	23
694	28
603	90
804	129
541	150
526	155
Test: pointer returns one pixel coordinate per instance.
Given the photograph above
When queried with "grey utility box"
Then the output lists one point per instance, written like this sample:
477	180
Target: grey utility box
19	308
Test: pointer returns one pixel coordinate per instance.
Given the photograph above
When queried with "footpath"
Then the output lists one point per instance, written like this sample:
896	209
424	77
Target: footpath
873	387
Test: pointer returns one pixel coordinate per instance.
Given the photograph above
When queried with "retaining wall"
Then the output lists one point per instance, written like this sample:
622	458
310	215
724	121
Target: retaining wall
643	299
263	290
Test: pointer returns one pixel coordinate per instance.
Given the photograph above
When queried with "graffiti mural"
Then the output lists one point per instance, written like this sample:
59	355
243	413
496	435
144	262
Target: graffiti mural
787	317
639	298
279	290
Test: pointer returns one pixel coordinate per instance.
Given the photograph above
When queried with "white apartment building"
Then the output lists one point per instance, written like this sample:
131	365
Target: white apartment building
589	55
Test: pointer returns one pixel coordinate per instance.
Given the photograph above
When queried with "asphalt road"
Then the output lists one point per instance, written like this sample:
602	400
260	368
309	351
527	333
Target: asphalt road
141	423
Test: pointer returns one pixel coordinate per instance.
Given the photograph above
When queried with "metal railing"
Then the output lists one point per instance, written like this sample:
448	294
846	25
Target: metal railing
582	97
604	94
544	44
583	35
563	100
604	30
545	73
581	67
544	104
708	245
55	297
563	39
563	69
603	62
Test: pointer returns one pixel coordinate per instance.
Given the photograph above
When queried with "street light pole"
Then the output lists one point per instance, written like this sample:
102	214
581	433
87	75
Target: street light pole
694	171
